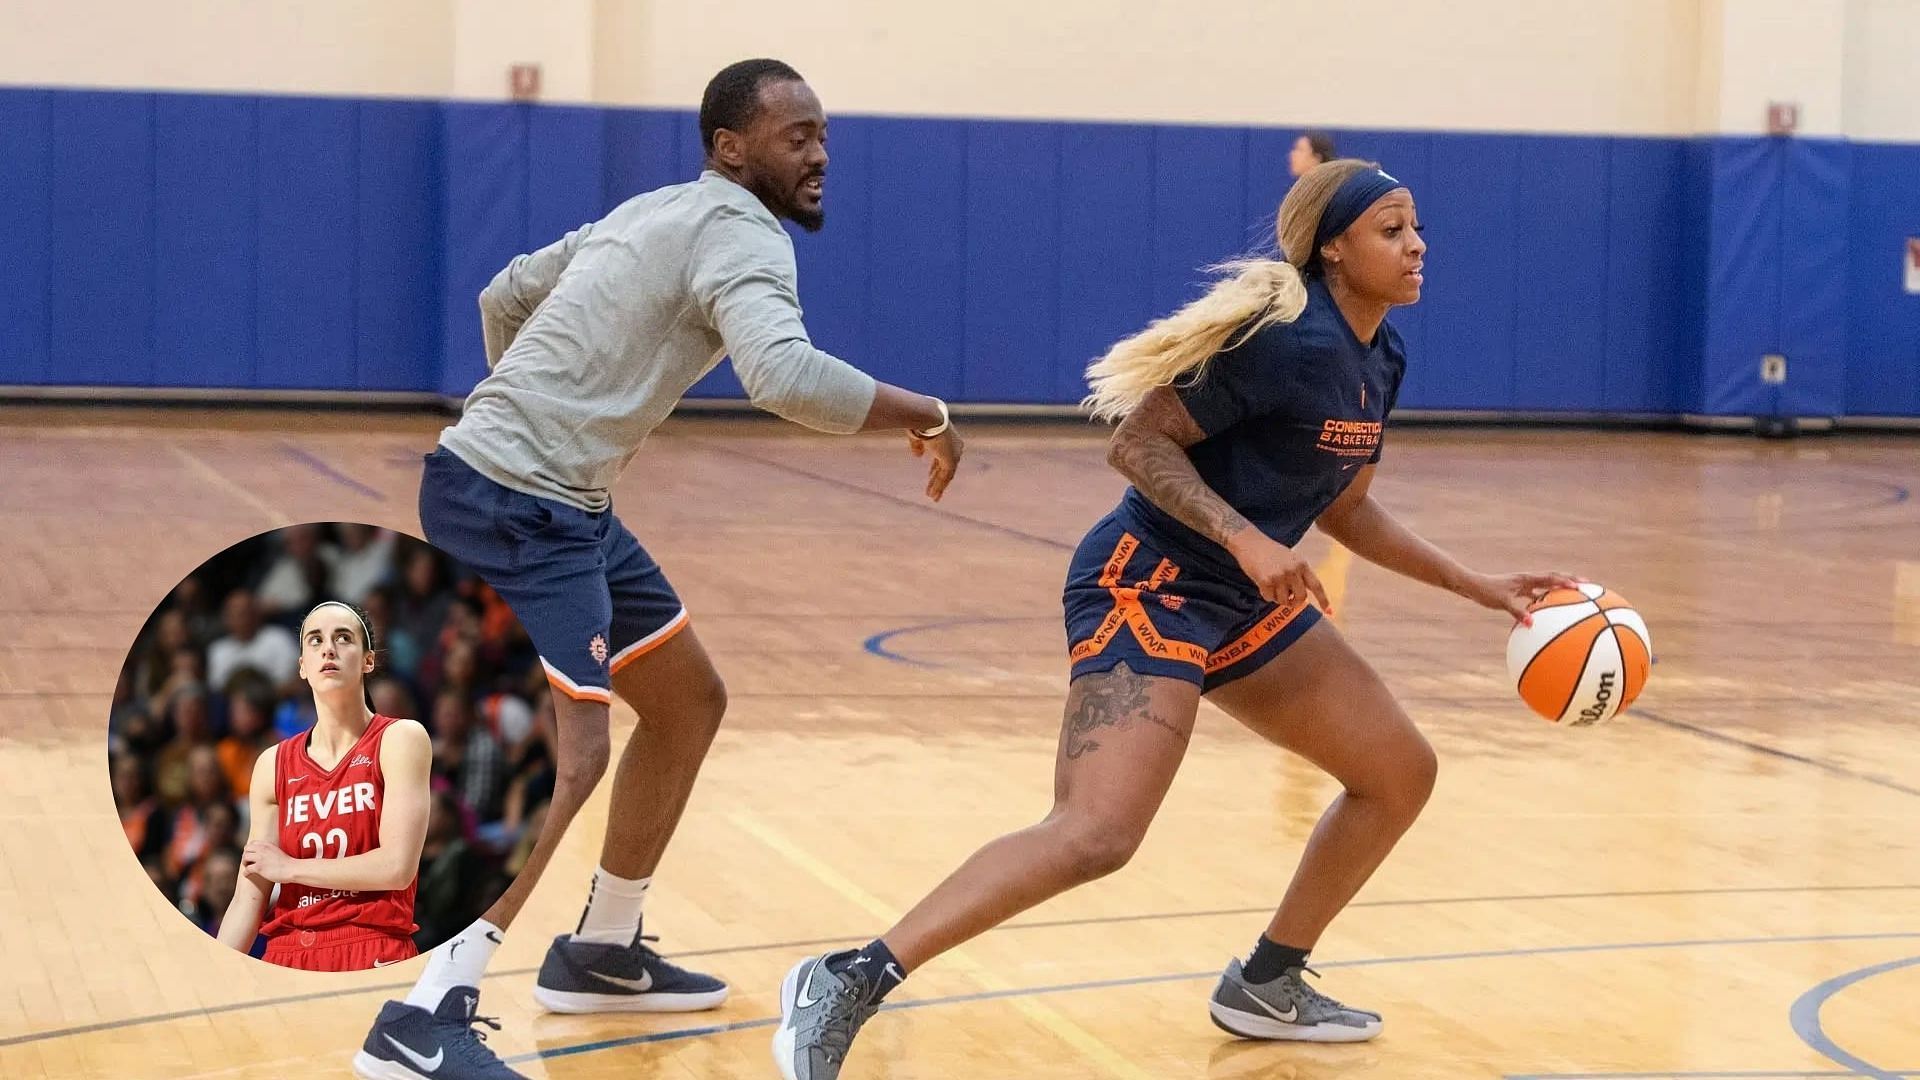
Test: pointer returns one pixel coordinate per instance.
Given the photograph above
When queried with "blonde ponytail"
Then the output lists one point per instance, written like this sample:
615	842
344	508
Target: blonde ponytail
1260	293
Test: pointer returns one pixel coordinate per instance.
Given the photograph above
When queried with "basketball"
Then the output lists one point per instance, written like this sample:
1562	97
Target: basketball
1584	659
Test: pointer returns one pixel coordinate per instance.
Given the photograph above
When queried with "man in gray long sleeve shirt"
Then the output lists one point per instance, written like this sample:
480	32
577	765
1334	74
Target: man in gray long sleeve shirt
591	341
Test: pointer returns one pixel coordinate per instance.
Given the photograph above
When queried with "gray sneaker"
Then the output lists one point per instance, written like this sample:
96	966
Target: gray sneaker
820	1013
1286	1008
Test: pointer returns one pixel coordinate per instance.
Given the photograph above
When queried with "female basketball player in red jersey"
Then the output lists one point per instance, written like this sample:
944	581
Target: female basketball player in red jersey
1246	418
339	815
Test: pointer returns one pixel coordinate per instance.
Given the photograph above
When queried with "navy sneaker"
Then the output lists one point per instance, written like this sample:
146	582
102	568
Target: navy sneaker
410	1043
589	977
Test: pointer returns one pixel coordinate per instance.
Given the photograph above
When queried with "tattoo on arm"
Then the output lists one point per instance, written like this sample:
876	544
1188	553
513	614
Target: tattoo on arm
1115	700
1150	449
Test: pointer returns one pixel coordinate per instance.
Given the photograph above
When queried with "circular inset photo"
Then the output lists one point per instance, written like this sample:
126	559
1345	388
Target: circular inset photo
331	747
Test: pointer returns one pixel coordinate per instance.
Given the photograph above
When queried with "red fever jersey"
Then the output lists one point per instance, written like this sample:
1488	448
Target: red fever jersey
331	814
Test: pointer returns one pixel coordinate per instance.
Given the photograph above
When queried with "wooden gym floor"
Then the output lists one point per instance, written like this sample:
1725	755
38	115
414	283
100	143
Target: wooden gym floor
1724	884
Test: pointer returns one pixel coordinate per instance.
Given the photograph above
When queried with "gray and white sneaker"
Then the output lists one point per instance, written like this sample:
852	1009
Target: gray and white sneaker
1286	1008
820	1013
588	977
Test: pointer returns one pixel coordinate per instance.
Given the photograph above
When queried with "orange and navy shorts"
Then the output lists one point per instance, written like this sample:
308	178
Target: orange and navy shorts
1128	602
339	948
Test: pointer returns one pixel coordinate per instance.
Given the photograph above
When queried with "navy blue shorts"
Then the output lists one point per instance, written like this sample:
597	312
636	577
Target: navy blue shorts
1128	602
590	596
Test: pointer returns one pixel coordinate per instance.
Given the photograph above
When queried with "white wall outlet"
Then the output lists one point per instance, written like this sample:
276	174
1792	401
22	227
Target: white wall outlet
1773	369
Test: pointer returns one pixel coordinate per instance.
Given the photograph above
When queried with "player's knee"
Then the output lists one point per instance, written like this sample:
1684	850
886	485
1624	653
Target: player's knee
1416	767
689	720
1094	847
583	761
710	704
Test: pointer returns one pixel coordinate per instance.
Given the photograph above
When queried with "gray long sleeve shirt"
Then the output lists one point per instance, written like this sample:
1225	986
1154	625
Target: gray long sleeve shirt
592	340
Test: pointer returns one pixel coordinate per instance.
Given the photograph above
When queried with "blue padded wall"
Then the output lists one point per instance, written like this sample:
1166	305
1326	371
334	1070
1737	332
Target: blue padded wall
211	240
1560	273
1106	245
26	220
308	224
1010	325
1646	318
1199	188
101	269
1776	279
484	181
916	252
1813	265
206	156
1883	319
398	209
1471	213
249	241
567	187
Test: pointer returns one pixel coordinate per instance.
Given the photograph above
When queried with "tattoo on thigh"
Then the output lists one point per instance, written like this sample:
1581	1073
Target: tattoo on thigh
1114	700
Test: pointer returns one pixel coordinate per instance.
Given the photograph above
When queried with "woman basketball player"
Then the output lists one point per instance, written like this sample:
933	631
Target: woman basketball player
339	815
1248	416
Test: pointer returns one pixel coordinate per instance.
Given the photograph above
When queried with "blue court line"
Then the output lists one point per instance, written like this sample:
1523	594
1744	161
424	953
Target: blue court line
1805	1017
1671	1075
1050	924
1788	755
329	471
1194	976
877	644
923	504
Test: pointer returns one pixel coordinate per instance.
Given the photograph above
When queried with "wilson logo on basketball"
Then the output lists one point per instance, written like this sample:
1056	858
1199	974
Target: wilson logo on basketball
1598	709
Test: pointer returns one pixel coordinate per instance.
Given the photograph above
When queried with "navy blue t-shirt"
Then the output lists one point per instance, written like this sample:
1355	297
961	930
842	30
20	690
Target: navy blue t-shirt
1290	416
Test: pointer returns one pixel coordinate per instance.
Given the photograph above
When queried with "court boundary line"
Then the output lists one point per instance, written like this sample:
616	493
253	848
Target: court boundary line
898	500
1684	1075
328	471
680	1034
1773	751
728	950
877	643
1804	1016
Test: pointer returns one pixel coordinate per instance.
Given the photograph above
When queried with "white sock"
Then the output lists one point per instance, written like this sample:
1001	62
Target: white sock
613	909
459	961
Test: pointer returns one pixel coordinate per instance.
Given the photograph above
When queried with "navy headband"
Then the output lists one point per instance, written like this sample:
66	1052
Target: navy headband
1360	191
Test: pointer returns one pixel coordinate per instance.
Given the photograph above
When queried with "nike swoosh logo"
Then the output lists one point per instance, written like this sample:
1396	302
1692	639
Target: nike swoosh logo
642	984
424	1064
1292	1014
1355	465
493	937
295	779
386	963
800	998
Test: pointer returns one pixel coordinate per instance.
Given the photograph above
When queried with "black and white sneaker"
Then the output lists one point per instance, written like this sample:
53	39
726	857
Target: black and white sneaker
589	977
410	1043
1286	1008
